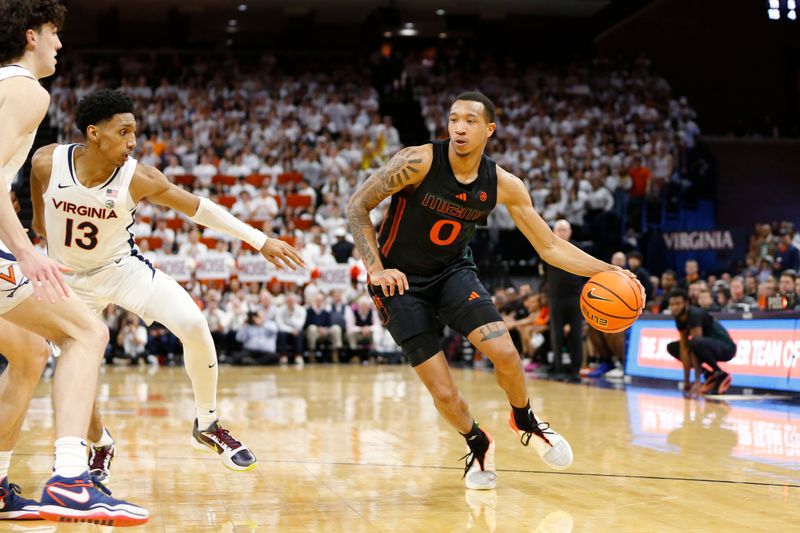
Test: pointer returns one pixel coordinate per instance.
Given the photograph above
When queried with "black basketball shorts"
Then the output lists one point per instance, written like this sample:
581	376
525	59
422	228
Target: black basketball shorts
457	299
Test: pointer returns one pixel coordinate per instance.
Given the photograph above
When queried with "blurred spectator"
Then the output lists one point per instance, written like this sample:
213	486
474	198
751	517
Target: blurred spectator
563	293
636	265
738	298
193	247
619	259
338	309
218	323
291	317
320	327
258	337
342	249
362	323
132	337
691	273
787	257
174	167
669	282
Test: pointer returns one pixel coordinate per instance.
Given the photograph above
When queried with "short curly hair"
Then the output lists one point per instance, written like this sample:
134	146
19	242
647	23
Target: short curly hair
19	16
98	106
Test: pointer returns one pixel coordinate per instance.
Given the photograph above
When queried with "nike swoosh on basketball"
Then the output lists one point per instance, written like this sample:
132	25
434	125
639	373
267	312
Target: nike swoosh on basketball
591	296
63	186
80	497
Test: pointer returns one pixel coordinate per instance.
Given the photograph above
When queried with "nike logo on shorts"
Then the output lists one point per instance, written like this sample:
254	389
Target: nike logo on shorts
212	366
592	296
80	497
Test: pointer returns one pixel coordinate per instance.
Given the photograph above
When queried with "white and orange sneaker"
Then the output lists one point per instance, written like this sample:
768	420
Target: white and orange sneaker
554	449
479	472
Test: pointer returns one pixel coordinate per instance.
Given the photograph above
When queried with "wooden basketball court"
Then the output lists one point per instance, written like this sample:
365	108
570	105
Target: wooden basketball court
362	449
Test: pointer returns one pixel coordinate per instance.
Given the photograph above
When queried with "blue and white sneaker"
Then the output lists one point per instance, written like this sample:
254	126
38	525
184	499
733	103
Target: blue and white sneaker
15	507
84	499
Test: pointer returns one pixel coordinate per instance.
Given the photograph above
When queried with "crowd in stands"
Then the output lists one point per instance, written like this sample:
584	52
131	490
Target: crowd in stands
283	147
594	141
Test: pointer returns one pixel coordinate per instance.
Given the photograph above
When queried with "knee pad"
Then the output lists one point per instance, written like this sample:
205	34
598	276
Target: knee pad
420	348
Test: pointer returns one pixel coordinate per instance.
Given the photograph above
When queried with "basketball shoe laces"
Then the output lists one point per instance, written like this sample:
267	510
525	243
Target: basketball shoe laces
12	488
541	429
225	438
471	457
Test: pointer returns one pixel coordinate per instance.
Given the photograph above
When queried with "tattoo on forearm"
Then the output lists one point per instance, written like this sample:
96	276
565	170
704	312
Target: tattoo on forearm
492	331
360	228
387	180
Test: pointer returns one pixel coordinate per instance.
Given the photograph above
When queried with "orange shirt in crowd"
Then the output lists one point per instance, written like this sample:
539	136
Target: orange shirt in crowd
640	176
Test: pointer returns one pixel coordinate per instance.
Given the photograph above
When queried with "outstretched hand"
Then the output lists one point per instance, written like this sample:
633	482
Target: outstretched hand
389	280
638	283
281	254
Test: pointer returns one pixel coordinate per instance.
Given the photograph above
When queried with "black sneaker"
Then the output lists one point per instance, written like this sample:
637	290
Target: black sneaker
722	382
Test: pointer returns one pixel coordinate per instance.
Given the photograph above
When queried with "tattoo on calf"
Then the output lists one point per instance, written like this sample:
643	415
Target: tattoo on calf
492	331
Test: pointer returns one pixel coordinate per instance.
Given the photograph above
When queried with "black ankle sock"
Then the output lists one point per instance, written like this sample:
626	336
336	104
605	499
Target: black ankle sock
477	440
523	417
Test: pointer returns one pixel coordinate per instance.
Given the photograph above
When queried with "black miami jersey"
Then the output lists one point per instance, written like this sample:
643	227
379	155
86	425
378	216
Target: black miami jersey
427	230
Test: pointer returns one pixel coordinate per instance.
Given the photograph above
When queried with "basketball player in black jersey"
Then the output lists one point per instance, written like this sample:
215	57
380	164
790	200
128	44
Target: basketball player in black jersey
421	272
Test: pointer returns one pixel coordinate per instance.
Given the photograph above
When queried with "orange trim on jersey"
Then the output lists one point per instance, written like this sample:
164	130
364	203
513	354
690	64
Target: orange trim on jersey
10	277
401	206
380	232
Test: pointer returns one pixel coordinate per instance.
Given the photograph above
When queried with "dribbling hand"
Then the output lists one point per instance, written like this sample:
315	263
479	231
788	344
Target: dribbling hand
275	249
390	279
45	276
634	278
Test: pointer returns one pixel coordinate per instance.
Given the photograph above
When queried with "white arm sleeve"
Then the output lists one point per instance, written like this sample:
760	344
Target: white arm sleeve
215	217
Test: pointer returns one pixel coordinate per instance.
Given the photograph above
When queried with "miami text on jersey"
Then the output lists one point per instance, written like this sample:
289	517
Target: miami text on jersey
437	203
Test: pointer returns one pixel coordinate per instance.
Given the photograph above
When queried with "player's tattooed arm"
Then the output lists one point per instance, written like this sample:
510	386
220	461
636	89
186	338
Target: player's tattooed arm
407	168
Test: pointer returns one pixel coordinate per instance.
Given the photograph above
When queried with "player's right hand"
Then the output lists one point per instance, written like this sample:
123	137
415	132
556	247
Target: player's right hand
45	276
390	279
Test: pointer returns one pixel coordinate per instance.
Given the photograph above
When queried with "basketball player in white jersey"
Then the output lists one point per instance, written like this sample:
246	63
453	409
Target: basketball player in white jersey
84	199
28	46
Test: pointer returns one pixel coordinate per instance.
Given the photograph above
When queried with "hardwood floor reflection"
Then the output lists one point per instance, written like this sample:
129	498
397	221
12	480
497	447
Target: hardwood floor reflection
362	449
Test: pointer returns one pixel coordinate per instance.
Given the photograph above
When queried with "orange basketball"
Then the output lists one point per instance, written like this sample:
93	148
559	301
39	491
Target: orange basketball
610	301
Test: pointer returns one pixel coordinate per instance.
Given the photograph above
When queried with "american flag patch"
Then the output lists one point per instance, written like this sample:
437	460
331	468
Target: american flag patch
112	193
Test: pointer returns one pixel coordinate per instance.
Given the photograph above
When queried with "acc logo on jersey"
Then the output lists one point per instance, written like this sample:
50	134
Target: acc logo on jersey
483	196
110	204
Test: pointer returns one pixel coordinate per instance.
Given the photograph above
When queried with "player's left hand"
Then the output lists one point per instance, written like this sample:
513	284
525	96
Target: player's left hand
276	249
634	278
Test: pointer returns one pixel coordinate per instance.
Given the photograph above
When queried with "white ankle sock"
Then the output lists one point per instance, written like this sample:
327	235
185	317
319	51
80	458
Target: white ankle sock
105	440
5	462
70	457
205	418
